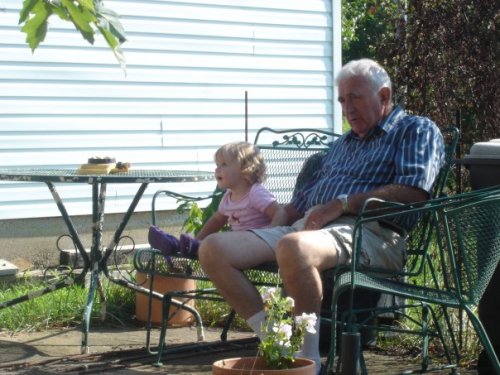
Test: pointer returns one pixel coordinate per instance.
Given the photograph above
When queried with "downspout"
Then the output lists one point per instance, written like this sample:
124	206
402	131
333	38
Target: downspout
336	62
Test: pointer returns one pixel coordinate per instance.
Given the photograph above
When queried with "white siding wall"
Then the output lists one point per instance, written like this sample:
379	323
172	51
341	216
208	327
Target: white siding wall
189	64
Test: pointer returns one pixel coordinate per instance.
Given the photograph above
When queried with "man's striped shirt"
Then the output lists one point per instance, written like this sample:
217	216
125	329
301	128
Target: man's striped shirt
403	149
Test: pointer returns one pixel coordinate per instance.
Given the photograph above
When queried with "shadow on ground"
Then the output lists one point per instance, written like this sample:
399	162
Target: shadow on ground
122	351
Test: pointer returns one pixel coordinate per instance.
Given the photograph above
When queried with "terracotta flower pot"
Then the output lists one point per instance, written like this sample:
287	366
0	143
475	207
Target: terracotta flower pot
163	284
257	366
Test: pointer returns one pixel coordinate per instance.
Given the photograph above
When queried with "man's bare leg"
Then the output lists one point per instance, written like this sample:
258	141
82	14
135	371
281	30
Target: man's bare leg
301	257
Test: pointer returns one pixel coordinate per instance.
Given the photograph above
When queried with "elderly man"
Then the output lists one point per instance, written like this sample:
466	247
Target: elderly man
387	154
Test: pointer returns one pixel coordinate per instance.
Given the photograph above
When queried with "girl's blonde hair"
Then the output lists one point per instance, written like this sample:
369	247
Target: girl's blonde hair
248	156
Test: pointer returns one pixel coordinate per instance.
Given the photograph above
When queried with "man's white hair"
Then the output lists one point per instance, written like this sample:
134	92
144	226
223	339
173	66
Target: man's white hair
372	71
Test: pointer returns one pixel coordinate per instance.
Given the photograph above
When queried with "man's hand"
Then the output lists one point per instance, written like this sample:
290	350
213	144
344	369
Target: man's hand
322	215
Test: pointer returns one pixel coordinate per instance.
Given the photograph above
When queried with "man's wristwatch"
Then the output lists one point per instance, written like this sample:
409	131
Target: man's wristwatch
344	200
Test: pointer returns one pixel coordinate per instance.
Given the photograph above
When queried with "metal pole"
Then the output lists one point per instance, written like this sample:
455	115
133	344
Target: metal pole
350	352
458	119
246	116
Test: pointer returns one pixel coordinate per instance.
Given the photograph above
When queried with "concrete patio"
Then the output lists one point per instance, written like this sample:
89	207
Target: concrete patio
120	350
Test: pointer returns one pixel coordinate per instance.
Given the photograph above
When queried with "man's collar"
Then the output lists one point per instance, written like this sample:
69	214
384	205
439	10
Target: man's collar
388	122
385	125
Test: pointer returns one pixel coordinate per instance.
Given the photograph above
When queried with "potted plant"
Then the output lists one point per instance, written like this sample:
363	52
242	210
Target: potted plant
163	284
165	280
283	338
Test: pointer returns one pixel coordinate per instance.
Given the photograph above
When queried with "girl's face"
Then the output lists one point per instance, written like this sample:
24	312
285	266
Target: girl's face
228	173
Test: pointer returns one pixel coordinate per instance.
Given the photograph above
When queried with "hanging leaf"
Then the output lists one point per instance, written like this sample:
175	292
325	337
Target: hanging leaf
28	5
82	19
115	46
34	14
108	19
110	27
88	16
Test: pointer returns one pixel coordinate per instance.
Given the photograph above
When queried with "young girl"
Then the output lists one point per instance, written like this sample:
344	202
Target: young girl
246	204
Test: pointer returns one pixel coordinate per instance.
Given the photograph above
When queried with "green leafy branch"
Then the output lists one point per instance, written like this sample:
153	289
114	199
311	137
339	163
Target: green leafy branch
88	17
197	217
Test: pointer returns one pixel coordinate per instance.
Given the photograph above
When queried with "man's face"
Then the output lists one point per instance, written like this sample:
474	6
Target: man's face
362	107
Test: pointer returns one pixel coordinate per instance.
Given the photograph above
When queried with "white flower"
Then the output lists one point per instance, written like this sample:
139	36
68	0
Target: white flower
286	329
268	294
283	334
285	343
290	302
308	321
275	327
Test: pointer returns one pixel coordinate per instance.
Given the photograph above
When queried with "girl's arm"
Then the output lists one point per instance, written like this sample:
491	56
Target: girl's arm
214	224
277	214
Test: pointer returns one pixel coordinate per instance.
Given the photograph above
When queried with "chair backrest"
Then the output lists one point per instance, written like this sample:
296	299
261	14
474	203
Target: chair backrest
450	136
420	236
291	153
473	240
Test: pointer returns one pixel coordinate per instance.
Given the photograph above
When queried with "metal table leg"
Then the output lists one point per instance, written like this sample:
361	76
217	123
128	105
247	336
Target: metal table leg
71	228
96	262
98	200
116	238
97	258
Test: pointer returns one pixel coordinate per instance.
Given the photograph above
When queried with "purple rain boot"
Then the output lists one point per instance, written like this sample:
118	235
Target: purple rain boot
188	246
162	241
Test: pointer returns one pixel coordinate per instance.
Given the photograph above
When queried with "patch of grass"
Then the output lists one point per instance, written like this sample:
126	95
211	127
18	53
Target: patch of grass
467	340
64	308
61	308
465	335
214	314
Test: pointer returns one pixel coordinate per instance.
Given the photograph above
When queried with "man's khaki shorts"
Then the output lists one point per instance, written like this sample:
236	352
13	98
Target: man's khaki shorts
381	247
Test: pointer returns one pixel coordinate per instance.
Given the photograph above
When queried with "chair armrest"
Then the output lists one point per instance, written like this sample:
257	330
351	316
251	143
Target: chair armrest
399	217
426	213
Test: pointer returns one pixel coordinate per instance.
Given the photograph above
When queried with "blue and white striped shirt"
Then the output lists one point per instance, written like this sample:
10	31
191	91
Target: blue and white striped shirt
403	149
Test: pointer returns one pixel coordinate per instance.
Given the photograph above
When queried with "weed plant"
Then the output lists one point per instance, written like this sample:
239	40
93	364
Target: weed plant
64	308
57	309
60	308
466	339
411	345
215	314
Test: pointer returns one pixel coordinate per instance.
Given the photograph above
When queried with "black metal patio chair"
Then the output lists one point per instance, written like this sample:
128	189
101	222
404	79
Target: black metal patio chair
466	232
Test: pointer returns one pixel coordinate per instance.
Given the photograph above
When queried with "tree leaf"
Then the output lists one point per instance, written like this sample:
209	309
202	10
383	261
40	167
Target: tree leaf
86	15
61	11
114	44
82	19
35	27
28	5
110	20
87	4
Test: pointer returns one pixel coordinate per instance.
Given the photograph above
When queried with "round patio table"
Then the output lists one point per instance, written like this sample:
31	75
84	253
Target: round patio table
96	262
